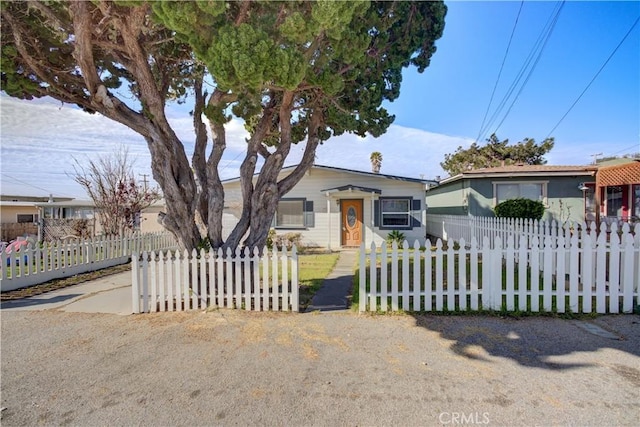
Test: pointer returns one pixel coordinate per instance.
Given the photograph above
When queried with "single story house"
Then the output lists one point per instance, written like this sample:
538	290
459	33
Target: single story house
19	218
562	189
334	207
62	219
19	215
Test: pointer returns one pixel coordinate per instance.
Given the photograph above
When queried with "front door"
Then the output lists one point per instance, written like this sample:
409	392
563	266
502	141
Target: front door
351	222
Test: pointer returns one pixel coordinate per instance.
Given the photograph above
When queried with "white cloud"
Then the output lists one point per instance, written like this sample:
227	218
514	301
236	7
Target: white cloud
40	138
405	152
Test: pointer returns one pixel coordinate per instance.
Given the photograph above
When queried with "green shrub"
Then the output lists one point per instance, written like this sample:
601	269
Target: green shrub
271	237
204	243
396	236
282	241
520	208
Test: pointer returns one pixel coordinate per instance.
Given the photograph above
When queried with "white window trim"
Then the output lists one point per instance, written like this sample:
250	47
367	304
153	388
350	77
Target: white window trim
545	184
382	213
34	218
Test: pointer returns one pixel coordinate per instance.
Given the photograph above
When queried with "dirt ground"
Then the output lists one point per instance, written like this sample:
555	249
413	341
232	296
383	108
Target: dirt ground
242	368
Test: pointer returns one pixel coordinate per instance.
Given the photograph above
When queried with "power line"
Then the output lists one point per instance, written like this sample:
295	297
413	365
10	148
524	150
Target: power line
537	48
231	161
6	175
535	64
596	75
500	72
634	146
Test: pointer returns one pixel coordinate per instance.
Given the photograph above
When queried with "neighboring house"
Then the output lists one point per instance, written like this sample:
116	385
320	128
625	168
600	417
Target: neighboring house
62	219
334	207
18	219
19	215
615	194
150	218
562	189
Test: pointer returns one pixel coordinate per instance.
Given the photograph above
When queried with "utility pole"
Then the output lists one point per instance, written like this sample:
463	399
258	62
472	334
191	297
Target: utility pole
595	157
144	180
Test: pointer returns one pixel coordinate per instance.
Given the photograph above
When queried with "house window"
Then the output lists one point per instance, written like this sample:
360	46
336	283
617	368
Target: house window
514	190
614	201
590	206
27	218
294	213
636	201
395	212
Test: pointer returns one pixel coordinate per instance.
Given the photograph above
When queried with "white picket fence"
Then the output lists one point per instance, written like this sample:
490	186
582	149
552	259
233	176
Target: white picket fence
39	263
599	275
456	227
179	281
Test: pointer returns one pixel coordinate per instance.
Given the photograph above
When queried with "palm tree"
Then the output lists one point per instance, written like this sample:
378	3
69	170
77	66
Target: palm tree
376	161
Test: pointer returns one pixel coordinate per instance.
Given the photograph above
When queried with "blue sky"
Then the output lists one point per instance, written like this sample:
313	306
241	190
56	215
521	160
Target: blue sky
452	97
437	111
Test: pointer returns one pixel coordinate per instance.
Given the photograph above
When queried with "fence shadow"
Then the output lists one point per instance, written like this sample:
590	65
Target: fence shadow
35	301
335	294
537	342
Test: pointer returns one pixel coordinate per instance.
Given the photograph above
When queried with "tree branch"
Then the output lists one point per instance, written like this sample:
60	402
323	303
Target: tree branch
308	157
83	49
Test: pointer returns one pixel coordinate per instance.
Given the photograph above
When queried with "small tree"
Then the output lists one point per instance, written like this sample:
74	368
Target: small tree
119	198
520	208
376	161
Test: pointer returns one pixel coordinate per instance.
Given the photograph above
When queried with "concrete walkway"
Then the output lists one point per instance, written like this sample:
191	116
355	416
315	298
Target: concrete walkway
335	293
109	294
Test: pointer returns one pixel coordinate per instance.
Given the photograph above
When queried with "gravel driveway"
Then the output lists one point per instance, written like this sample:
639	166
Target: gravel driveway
239	368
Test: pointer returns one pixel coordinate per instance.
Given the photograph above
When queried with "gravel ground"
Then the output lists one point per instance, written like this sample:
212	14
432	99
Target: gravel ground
239	368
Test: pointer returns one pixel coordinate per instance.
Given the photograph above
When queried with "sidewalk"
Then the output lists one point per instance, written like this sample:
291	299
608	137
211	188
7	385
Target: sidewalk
337	289
109	294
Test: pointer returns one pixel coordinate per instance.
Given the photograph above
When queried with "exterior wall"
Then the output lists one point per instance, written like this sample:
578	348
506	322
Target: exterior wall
149	220
447	199
564	199
10	229
9	214
326	231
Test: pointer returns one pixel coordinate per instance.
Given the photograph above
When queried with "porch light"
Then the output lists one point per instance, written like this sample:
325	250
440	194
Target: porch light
582	187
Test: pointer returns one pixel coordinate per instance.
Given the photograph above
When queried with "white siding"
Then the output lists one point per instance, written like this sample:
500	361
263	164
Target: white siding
327	229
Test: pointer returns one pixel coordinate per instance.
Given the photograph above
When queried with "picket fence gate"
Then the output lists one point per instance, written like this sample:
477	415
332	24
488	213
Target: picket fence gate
244	279
599	275
40	262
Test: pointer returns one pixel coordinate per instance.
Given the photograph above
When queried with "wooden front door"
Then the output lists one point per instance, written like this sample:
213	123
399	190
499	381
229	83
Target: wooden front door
351	222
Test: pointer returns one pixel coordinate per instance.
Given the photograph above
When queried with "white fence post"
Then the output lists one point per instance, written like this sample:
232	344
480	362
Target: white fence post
362	282
135	282
294	280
